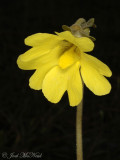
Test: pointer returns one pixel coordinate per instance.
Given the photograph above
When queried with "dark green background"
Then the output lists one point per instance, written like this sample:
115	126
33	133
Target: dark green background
28	122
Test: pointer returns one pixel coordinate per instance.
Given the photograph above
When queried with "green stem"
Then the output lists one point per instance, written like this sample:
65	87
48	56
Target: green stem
79	131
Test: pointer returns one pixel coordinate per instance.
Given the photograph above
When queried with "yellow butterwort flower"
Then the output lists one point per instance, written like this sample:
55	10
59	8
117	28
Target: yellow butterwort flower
61	65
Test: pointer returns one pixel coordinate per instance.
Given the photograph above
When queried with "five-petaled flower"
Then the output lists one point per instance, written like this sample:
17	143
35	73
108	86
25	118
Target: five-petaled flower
61	65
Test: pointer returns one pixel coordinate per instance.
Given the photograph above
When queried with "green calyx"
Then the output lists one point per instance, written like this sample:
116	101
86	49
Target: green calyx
81	28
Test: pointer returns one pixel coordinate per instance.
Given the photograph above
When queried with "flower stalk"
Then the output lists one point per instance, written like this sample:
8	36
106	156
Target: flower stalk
79	148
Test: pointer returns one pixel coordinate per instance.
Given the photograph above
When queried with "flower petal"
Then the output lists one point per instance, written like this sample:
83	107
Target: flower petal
54	84
33	58
29	60
40	39
57	81
45	63
75	88
97	83
83	43
35	82
98	65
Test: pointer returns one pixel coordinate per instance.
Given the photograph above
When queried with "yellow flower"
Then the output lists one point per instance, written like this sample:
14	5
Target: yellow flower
61	65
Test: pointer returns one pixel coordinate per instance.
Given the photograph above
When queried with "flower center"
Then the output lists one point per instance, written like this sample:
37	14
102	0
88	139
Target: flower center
69	57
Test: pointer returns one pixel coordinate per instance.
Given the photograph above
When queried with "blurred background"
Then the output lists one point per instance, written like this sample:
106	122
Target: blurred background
28	122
